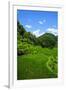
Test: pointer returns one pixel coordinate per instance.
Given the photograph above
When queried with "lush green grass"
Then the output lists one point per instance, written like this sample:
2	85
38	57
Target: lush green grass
38	64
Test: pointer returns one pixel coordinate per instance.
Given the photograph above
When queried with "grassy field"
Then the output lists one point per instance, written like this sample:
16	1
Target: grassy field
41	64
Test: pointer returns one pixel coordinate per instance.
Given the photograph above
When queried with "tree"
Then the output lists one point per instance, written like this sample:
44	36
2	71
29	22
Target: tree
20	29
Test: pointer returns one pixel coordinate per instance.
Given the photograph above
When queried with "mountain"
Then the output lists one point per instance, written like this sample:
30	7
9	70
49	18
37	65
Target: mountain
26	41
48	40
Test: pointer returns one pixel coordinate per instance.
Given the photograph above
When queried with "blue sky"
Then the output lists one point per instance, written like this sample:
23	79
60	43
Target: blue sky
38	22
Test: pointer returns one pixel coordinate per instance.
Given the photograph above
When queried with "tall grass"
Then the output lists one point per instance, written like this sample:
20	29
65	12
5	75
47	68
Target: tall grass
36	64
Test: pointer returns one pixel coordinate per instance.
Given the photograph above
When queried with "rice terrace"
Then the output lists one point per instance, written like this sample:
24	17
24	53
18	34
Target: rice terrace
37	44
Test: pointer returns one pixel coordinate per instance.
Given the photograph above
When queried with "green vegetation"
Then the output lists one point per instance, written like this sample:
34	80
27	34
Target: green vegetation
36	57
36	66
48	40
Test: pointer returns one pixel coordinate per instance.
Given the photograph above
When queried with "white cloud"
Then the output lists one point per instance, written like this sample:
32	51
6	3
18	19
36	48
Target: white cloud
44	21
53	31
40	22
28	26
54	26
37	33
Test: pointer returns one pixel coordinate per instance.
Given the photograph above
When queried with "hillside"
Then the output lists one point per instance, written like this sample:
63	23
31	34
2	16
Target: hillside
36	56
48	40
26	40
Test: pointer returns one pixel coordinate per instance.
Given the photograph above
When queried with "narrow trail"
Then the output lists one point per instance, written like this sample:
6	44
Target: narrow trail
52	64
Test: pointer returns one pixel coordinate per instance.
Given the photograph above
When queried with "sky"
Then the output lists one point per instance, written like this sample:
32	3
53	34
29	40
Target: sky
38	22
